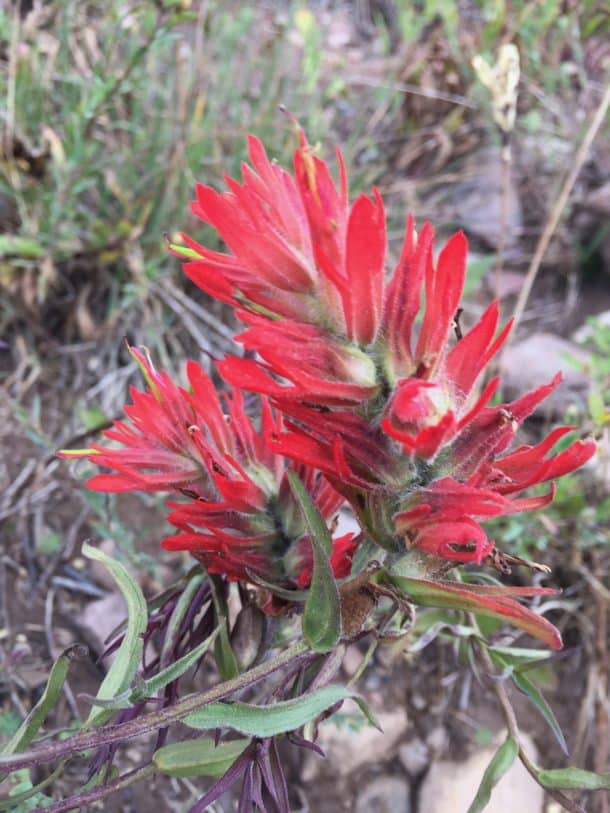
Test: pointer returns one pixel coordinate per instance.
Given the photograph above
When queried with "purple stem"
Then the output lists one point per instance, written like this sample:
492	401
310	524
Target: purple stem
119	732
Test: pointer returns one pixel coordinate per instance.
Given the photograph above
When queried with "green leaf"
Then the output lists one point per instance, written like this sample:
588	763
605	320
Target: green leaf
24	796
574	778
223	651
540	703
92	418
147	688
477	268
314	521
267	721
521	654
28	729
200	757
597	409
190	586
499	765
322	613
455	630
367	712
128	657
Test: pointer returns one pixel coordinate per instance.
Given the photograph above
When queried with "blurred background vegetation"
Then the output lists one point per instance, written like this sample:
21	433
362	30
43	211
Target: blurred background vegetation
111	111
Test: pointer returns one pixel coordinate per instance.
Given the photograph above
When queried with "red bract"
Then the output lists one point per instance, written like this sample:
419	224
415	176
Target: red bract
297	249
241	519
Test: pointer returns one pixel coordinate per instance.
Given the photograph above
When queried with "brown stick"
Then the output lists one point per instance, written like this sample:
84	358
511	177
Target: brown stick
506	163
556	211
513	729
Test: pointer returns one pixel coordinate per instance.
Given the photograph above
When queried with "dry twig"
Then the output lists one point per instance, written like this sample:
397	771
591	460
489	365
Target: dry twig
557	210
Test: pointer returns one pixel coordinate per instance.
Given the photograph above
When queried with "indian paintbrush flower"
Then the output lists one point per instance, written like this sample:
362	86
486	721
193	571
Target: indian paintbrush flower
367	394
376	392
240	519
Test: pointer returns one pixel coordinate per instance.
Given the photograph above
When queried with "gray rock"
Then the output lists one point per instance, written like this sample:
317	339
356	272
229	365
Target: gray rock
534	361
586	332
386	794
348	750
450	787
100	618
414	756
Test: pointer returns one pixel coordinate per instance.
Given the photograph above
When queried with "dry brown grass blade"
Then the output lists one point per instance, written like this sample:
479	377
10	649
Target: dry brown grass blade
557	210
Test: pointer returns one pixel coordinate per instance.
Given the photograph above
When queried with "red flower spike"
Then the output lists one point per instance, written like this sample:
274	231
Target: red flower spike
242	517
364	404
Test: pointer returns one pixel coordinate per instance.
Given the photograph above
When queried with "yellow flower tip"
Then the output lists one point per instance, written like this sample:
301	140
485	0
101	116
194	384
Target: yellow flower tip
77	452
144	362
310	171
184	251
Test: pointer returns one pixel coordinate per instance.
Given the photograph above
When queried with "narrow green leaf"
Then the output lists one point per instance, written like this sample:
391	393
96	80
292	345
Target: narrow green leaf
267	721
540	703
499	765
434	630
191	585
128	656
25	796
574	779
198	757
367	711
322	613
28	729
519	654
223	651
314	521
147	688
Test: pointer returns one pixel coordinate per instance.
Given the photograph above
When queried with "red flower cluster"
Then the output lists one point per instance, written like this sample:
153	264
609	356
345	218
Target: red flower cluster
385	414
242	520
362	388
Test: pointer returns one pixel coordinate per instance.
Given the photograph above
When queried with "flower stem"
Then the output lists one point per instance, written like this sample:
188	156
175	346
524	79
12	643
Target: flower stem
513	729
